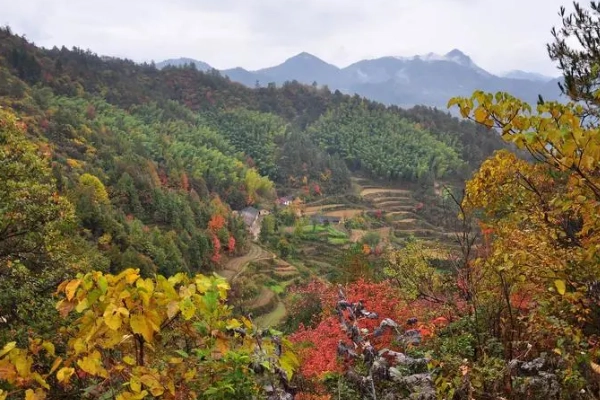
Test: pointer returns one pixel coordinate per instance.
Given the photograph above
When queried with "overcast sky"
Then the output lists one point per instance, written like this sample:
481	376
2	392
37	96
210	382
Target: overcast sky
499	35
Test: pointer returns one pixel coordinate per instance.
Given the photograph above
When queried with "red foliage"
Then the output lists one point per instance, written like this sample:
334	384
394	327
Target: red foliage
419	206
317	189
378	214
216	222
231	244
320	354
217	249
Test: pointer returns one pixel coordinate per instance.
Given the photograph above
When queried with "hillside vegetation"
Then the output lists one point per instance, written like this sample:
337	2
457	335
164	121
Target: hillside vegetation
125	273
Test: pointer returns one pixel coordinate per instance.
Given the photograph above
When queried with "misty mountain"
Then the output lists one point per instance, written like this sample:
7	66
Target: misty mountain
429	79
180	62
530	76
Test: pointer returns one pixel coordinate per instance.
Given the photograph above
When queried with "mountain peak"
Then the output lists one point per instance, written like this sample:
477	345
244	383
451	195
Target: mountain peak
305	57
459	57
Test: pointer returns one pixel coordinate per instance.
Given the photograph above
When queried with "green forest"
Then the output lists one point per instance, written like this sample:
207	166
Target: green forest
402	254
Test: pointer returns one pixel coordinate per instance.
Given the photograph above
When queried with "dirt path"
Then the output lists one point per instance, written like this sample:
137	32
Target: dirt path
236	266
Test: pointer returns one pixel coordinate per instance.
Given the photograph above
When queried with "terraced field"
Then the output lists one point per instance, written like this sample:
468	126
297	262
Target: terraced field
390	212
267	304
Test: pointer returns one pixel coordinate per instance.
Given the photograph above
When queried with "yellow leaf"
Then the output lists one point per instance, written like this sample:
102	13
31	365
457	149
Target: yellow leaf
71	288
172	309
233	323
480	115
82	305
171	387
3	395
129	360
153	384
79	346
92	364
140	326
55	365
131	396
135	384
23	365
7	348
37	395
131	277
49	347
187	308
561	287
112	317
203	283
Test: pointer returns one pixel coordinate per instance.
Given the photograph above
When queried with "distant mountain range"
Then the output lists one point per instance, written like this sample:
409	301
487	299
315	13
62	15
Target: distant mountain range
430	79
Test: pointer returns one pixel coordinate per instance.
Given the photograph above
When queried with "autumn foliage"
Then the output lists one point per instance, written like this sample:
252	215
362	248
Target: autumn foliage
317	344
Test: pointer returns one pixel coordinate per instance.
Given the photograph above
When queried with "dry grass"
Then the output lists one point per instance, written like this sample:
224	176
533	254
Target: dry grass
347	213
371	191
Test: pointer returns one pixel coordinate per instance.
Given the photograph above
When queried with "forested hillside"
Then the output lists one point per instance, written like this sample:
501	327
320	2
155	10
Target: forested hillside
175	149
118	186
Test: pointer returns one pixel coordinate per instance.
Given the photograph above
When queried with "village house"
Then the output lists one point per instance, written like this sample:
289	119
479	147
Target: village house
252	218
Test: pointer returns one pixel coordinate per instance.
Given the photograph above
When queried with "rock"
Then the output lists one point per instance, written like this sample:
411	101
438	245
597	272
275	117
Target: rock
543	386
420	386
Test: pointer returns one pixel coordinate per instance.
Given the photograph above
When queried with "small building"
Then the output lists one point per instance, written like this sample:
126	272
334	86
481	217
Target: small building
252	218
285	201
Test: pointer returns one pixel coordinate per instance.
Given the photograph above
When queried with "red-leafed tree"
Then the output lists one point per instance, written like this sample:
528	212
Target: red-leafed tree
319	343
216	249
216	223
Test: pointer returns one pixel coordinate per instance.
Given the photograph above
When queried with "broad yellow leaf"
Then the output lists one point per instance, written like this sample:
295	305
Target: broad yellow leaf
64	374
23	364
187	308
112	317
49	347
7	348
561	287
156	388
71	288
135	384
82	305
37	395
140	326
129	360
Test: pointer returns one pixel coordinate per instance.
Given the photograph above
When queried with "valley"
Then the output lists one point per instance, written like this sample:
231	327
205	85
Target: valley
379	215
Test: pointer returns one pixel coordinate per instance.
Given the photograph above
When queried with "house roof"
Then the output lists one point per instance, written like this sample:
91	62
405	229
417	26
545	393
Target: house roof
249	215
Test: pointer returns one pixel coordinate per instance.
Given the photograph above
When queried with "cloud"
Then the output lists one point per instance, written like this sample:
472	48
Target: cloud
498	35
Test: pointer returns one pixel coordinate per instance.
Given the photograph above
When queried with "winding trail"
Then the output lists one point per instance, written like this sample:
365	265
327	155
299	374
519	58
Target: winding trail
236	266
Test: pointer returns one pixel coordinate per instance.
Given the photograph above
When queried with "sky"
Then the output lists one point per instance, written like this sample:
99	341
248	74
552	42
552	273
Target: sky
498	35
